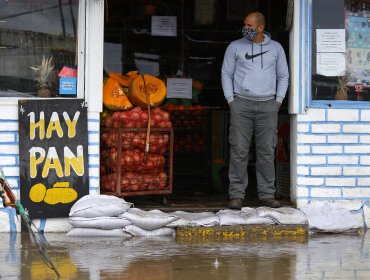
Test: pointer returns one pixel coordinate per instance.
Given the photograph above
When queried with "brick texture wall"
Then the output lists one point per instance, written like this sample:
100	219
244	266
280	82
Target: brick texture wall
333	156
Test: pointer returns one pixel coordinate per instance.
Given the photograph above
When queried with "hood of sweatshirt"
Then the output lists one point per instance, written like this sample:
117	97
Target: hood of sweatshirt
259	48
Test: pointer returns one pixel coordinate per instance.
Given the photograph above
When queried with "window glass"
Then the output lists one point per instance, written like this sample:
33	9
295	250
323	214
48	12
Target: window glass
38	39
341	50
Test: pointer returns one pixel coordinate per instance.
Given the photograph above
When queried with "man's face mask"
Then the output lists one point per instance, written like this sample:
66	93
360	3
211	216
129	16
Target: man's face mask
249	33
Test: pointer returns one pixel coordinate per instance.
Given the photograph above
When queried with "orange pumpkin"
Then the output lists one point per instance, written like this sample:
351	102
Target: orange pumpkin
155	87
114	97
124	80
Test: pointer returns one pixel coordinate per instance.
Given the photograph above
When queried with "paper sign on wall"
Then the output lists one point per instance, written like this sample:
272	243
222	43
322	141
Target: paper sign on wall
330	40
179	88
331	64
164	26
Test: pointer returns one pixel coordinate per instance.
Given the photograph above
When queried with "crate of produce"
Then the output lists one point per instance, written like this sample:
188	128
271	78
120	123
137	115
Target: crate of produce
187	118
126	170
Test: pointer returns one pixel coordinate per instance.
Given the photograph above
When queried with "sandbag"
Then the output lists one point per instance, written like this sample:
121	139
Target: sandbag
148	220
91	206
283	215
246	216
330	217
99	222
98	232
137	231
194	219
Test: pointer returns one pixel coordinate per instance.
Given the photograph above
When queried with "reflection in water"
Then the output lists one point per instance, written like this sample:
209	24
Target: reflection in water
319	257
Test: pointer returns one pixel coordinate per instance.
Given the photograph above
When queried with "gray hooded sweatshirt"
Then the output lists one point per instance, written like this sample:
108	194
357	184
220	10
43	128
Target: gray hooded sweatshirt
255	71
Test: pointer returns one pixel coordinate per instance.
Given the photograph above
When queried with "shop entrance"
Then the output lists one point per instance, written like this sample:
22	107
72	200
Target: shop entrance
171	39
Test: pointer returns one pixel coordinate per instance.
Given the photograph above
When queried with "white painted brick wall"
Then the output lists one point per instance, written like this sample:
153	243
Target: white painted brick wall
312	115
7	137
302	191
94	160
356	128
303	149
325	128
8	160
9	126
342	139
363	181
333	156
309	160
326	192
365	160
303	127
358	149
310	181
356	171
365	115
340	182
302	170
356	192
304	139
94	172
343	159
326	171
343	115
365	139
327	149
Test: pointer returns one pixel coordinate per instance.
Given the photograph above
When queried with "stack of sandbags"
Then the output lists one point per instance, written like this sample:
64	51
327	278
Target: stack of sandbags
245	216
205	219
283	215
99	215
331	217
148	223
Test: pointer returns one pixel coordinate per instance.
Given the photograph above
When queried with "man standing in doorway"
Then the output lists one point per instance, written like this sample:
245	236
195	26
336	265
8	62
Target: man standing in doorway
254	80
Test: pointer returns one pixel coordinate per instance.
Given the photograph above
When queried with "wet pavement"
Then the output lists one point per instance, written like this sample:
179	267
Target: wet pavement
320	256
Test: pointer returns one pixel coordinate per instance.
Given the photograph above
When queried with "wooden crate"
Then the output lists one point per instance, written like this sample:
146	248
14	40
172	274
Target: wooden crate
127	171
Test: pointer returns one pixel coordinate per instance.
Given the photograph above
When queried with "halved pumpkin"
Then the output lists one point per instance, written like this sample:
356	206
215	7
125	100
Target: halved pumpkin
155	87
114	96
124	79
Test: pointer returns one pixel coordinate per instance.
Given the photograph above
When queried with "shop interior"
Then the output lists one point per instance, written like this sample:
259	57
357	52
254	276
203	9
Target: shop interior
187	39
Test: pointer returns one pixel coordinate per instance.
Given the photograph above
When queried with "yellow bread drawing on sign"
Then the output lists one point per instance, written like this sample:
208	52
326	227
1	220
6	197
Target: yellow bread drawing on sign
59	193
38	192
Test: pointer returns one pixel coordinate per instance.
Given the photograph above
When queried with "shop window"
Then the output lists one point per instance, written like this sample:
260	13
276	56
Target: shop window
38	42
341	50
174	38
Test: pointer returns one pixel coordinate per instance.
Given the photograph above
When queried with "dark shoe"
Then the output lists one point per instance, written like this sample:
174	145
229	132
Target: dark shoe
270	202
235	203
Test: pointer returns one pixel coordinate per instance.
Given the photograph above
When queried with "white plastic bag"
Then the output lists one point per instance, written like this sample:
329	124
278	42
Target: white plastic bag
91	206
137	231
148	220
99	222
194	219
283	215
246	216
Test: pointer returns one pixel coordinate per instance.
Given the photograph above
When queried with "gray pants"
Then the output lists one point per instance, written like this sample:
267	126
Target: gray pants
248	117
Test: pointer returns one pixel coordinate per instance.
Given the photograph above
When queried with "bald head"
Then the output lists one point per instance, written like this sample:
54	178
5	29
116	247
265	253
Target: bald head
257	17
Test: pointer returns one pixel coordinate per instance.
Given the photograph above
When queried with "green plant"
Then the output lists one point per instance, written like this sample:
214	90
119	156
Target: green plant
43	73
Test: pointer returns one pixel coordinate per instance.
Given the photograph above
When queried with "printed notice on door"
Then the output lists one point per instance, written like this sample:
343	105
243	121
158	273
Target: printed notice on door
179	88
330	40
164	26
331	64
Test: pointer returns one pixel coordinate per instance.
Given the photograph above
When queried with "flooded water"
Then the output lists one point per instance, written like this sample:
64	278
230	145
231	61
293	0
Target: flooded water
318	257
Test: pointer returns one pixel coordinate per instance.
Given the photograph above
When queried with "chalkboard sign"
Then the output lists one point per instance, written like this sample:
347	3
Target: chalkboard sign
53	155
